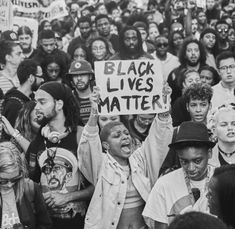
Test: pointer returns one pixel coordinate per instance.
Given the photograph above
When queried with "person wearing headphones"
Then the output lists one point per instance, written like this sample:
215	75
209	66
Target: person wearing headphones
52	156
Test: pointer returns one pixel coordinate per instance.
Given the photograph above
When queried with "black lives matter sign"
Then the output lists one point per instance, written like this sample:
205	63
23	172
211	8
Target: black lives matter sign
130	87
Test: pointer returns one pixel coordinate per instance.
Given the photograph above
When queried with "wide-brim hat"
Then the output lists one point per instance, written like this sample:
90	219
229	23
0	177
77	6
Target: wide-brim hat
192	132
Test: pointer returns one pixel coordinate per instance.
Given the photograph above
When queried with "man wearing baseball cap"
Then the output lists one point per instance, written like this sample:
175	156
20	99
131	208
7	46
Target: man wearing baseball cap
81	75
184	189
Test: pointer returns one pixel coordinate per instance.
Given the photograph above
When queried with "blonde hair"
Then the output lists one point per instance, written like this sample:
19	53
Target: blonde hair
213	116
10	159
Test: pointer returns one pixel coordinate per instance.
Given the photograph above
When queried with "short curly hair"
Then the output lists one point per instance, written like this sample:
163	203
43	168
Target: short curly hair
200	91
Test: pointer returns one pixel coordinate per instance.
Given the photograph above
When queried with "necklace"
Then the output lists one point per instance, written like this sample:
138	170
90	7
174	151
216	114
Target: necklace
194	193
226	154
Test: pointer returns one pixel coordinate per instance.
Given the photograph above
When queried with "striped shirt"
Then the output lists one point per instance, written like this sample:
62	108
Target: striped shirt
7	82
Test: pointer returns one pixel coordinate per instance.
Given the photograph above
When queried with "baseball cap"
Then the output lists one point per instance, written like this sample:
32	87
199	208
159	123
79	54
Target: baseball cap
79	67
9	35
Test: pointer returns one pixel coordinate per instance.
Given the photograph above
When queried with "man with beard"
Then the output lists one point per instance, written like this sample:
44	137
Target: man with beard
130	45
84	24
80	75
58	113
192	57
25	37
47	46
168	61
103	27
30	77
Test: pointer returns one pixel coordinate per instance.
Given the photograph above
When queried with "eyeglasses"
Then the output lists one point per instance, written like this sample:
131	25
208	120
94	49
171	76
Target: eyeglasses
225	68
164	45
49	162
12	180
39	76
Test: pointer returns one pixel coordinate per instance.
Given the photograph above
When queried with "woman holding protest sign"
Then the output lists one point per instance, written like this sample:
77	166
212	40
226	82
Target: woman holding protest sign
123	178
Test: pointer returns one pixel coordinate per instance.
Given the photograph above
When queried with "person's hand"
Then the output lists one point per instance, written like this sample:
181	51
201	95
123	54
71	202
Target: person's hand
8	128
94	99
54	199
166	93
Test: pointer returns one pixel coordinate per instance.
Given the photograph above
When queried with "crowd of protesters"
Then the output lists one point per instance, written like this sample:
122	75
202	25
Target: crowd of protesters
62	165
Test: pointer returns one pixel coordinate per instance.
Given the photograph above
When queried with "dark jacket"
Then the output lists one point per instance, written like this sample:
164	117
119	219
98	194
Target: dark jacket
41	55
179	112
144	56
13	101
32	208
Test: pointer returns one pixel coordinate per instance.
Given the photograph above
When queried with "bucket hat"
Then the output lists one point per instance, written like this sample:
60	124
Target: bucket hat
192	132
80	67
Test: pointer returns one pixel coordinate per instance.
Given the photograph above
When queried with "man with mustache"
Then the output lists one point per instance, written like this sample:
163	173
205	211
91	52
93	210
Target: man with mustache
130	45
25	37
192	57
58	113
81	75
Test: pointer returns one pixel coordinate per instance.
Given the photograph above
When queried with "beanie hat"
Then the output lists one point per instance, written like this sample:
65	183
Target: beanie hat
80	67
208	30
58	91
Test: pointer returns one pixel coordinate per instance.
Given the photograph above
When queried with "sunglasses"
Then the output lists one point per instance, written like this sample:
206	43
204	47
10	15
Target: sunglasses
12	180
164	45
222	30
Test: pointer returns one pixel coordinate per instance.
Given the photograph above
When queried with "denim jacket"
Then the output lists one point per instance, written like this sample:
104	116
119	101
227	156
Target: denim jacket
106	174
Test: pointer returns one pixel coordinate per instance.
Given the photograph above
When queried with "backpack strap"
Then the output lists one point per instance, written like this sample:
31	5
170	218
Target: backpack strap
19	100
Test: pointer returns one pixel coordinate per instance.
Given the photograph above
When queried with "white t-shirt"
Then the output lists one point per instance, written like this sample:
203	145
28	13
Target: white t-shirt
9	211
170	197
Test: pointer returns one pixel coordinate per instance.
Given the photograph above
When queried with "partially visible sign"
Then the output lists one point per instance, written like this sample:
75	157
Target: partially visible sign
6	15
56	9
40	10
